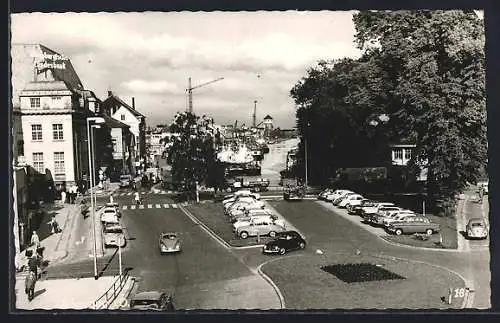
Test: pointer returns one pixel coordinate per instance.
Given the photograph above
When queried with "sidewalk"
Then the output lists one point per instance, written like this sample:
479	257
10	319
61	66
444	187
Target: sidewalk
56	245
62	293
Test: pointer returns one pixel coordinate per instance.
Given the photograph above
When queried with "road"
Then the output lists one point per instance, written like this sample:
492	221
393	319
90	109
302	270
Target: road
204	276
275	160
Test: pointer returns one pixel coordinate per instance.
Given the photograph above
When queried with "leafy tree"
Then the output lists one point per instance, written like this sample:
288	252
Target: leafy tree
192	154
103	149
437	59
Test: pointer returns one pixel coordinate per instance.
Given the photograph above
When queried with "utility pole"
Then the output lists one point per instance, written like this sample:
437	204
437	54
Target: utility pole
254	121
191	88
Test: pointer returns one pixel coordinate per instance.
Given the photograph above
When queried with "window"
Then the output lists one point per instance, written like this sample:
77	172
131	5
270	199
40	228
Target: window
407	153
20	147
36	132
398	153
59	164
122	117
57	130
38	163
56	98
35	102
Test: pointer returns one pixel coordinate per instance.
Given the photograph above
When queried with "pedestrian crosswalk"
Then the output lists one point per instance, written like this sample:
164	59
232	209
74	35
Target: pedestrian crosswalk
157	192
150	206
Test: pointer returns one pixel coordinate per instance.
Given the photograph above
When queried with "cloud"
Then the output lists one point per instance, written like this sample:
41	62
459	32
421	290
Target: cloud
151	87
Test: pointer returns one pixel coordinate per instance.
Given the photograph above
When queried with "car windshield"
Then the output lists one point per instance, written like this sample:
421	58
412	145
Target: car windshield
109	211
124	177
476	224
169	236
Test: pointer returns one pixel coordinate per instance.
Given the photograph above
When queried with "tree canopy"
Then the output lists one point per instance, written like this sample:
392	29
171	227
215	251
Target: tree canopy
420	78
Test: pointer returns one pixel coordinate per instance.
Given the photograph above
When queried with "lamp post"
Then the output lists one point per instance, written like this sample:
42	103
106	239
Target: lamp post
95	120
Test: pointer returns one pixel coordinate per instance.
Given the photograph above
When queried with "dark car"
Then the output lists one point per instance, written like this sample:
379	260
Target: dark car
152	300
284	242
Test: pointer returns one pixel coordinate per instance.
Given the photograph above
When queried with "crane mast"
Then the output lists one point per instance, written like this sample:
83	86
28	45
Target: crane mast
191	88
254	116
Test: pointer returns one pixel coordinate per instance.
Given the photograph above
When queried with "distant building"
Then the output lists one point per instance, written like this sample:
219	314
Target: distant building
268	125
401	154
119	110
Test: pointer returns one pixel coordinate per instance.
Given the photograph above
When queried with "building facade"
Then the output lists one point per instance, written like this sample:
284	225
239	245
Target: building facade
117	109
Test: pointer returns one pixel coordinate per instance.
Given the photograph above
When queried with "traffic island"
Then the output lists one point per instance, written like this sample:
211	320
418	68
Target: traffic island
212	216
358	281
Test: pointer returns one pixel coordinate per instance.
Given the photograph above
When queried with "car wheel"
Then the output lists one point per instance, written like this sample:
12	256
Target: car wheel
398	232
282	251
257	189
302	245
272	234
244	235
429	231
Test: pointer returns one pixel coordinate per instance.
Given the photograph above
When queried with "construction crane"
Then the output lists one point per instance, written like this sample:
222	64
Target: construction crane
254	117
191	88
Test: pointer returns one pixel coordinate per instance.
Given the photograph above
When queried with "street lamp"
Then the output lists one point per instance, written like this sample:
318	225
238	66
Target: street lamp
95	121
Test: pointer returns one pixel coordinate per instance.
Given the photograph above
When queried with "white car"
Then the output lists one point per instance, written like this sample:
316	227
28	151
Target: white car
240	204
250	213
374	208
114	236
233	200
324	193
239	201
336	194
398	217
270	218
109	215
349	199
245	208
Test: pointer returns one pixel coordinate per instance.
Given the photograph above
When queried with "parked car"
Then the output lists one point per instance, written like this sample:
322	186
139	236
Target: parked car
414	224
396	217
374	208
378	218
341	197
114	236
322	195
355	208
246	199
336	194
267	218
243	210
240	205
126	181
152	300
285	242
109	215
392	216
261	229
477	228
116	206
250	213
349	199
169	242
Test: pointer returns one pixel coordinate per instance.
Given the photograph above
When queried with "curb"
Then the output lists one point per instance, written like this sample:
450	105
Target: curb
270	281
126	293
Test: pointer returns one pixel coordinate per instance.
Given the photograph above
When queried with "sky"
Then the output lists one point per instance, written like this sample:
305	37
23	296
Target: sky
150	56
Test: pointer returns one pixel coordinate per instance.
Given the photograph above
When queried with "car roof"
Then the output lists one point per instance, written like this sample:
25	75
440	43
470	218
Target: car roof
149	295
477	220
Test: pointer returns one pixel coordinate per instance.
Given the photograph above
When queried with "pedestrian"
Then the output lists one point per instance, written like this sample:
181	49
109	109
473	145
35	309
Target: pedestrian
63	197
137	198
33	263
111	198
35	241
54	225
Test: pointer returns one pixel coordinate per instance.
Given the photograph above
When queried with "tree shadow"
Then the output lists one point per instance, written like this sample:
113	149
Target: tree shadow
107	264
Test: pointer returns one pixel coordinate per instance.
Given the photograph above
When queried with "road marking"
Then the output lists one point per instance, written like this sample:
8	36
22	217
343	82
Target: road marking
132	207
174	206
150	206
158	206
141	206
166	206
124	207
143	193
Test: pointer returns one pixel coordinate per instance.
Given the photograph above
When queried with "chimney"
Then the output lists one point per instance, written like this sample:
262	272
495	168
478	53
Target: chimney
133	103
110	93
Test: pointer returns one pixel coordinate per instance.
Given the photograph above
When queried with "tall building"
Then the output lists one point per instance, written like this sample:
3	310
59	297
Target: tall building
53	113
119	110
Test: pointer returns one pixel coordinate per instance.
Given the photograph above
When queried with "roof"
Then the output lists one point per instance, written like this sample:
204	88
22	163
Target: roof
268	117
108	102
46	86
113	123
149	295
24	58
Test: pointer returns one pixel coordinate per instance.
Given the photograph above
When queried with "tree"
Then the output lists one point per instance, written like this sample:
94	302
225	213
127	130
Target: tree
437	58
192	154
103	150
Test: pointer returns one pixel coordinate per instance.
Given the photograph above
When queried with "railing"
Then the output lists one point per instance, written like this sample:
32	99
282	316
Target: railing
110	295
